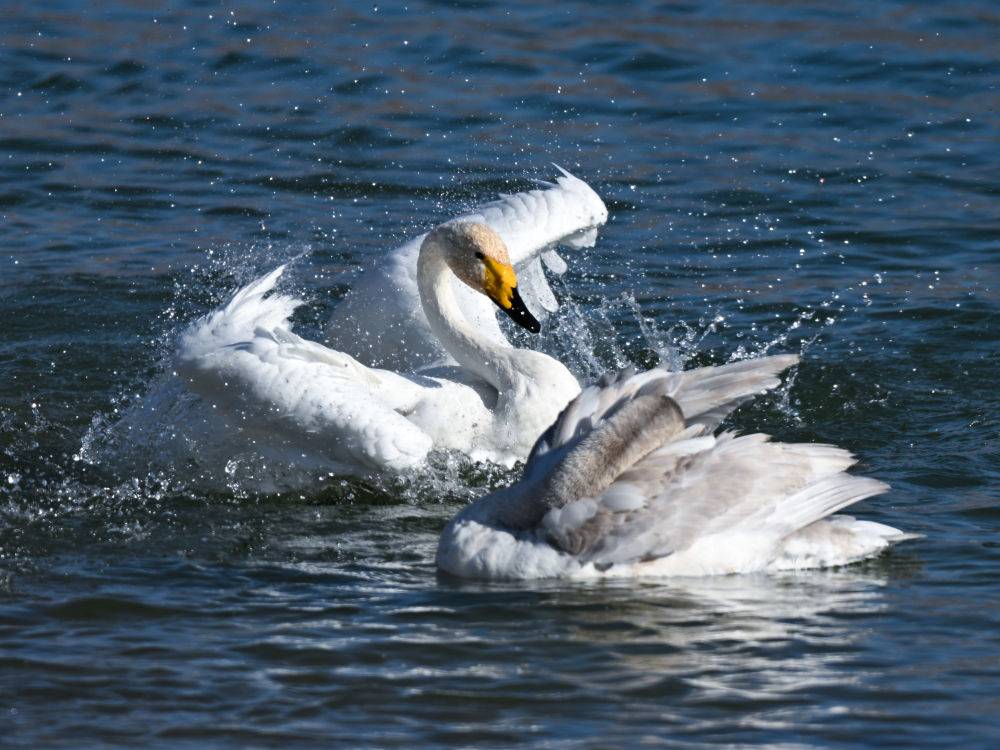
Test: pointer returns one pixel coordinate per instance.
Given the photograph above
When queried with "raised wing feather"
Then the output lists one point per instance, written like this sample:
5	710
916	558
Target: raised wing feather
705	395
565	212
260	376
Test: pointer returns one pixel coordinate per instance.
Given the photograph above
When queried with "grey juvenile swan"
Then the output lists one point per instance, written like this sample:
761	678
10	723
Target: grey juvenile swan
631	481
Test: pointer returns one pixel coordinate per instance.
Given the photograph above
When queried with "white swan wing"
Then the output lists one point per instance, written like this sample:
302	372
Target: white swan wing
705	395
380	320
565	212
264	379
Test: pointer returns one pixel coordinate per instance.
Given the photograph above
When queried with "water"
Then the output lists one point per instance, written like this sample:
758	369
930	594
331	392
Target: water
818	179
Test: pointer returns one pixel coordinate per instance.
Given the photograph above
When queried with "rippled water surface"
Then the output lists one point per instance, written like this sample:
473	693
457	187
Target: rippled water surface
818	179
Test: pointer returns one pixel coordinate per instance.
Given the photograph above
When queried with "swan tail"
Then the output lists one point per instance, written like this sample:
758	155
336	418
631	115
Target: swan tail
837	540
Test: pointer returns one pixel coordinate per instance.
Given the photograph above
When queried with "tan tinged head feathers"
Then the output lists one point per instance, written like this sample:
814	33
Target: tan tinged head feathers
477	255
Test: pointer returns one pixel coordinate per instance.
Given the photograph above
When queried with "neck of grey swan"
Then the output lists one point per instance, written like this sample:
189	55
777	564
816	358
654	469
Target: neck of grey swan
638	428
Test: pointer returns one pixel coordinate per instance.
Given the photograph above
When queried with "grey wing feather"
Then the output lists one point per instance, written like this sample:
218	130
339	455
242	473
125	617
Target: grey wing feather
705	395
695	487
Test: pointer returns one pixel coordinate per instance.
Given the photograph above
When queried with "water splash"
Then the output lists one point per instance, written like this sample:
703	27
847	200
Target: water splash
161	429
166	434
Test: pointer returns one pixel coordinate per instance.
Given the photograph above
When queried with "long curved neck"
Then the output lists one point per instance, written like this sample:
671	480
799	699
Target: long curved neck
471	349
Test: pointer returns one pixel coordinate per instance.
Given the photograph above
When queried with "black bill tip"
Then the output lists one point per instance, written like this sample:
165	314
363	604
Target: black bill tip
520	314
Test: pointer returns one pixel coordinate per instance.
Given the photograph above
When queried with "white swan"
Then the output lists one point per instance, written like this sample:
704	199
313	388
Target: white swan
630	481
381	323
329	410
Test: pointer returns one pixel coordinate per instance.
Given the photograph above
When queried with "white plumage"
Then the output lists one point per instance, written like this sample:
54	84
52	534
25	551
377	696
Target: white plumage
380	321
304	399
630	481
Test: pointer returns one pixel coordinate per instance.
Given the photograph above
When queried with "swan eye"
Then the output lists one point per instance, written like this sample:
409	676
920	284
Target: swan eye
479	255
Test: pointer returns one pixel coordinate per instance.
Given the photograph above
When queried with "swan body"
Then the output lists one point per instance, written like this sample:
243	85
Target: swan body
631	481
304	399
379	321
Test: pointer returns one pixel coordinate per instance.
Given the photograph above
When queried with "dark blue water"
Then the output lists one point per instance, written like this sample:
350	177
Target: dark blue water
818	179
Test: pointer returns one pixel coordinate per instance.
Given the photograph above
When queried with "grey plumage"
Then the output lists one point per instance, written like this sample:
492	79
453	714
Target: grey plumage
631	479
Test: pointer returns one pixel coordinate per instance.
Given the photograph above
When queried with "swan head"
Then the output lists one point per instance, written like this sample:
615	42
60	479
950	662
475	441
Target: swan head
476	255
